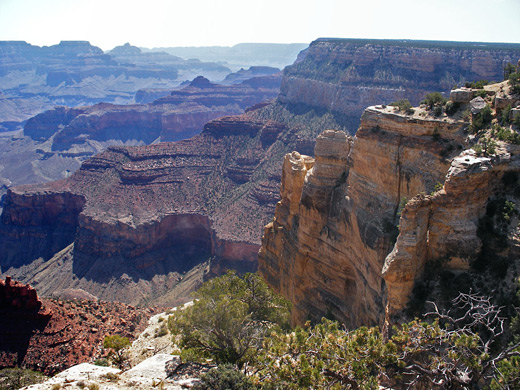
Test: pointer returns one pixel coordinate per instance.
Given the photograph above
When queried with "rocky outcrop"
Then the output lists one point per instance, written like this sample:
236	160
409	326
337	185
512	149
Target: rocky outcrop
346	242
19	297
140	218
52	335
347	75
246	74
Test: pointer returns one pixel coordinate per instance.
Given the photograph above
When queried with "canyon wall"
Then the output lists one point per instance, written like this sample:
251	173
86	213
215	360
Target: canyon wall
346	243
55	142
347	75
141	218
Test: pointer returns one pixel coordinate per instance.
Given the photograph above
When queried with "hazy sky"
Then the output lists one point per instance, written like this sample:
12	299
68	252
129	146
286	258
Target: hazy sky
156	23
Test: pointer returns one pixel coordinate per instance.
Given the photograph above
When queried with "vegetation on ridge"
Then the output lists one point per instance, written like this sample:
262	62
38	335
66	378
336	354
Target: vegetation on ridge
457	349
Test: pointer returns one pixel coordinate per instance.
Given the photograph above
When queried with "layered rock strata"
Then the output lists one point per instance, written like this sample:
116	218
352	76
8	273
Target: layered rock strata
347	75
330	248
74	73
140	218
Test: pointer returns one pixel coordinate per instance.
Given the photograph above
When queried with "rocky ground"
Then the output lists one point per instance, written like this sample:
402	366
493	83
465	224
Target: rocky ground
153	363
50	335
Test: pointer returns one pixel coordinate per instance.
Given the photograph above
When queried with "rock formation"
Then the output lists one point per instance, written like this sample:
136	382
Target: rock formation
347	75
58	140
75	73
148	215
330	248
51	335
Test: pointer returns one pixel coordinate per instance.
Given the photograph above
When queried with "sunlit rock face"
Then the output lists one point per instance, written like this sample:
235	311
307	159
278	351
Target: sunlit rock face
348	75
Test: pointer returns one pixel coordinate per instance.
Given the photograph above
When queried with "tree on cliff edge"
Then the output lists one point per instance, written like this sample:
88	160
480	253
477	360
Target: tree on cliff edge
229	319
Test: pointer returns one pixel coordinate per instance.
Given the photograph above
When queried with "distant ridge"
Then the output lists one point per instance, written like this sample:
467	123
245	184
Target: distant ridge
427	43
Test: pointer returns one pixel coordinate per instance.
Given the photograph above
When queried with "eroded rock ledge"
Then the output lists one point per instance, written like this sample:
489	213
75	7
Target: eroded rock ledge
330	248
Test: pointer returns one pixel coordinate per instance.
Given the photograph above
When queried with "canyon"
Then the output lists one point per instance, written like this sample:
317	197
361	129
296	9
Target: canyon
345	76
149	223
55	143
75	73
366	220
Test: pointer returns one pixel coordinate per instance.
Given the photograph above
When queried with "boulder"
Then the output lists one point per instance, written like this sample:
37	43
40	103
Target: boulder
476	105
461	95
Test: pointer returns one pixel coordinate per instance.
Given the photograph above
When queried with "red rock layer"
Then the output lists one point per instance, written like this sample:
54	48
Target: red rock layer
52	335
138	213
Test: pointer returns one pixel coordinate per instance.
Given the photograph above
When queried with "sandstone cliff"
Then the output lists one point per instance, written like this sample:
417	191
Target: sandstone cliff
332	249
347	75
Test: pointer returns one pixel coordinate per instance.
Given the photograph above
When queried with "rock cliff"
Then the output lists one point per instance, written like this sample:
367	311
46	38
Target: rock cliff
345	242
141	218
347	75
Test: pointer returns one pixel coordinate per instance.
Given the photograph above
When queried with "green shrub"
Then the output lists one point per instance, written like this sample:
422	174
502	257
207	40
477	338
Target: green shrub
514	82
482	93
451	108
101	362
477	85
404	105
508	70
508	210
506	135
15	378
434	99
117	345
225	377
505	116
229	319
485	147
516	120
482	119
161	331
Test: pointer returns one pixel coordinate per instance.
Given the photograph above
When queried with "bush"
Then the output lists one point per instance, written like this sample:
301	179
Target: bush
485	147
482	119
101	362
451	108
15	378
434	99
225	377
506	135
117	344
516	120
505	116
404	105
229	319
323	357
514	82
477	85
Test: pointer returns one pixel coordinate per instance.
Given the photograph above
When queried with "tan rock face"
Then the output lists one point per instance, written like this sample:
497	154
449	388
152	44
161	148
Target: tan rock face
446	227
337	219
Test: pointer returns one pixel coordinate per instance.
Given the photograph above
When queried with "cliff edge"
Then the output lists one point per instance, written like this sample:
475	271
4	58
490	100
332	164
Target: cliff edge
358	225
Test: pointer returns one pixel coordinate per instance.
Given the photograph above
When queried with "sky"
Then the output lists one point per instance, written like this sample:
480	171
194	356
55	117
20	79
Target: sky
168	23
